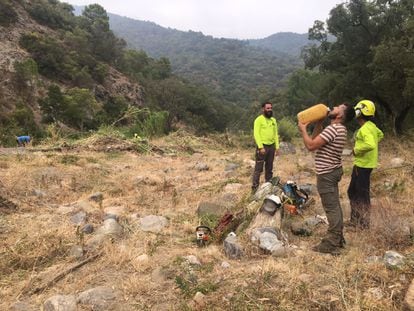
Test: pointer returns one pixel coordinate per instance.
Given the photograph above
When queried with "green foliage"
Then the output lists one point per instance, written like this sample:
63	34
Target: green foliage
232	69
25	74
372	56
80	109
152	124
7	14
52	13
52	106
102	41
77	107
49	54
287	129
19	122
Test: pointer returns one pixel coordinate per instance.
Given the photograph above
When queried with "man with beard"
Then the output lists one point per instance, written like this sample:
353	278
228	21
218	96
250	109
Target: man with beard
267	144
328	144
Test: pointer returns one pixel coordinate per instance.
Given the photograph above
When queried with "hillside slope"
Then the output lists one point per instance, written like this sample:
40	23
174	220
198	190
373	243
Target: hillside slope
233	68
28	93
77	235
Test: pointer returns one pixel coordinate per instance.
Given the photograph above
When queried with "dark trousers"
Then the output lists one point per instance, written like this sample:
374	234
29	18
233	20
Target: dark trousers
327	185
265	160
359	198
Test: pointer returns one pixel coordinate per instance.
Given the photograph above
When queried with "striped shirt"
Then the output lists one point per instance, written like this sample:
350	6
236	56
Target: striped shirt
329	156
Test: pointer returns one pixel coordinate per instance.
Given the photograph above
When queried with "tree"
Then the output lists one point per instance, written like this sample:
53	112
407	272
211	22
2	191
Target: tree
52	106
372	55
80	109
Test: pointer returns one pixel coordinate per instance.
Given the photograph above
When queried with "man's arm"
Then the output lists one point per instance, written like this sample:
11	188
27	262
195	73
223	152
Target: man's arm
311	143
276	139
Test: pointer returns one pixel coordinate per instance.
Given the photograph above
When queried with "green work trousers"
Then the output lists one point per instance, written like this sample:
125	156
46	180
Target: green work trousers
327	185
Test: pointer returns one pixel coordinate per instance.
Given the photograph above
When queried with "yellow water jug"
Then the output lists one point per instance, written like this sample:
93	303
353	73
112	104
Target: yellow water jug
314	113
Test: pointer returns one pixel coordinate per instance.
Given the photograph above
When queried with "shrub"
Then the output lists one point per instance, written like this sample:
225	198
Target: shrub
287	129
7	14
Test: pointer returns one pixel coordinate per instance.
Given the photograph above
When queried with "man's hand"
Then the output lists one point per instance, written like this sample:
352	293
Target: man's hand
262	151
302	126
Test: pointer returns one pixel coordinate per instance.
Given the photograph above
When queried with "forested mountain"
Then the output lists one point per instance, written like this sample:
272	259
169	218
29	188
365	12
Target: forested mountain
234	69
286	42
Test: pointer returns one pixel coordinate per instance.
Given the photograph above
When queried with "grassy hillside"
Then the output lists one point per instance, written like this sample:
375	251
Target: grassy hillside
165	270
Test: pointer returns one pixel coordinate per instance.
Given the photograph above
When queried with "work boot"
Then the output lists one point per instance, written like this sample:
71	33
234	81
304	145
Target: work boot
326	248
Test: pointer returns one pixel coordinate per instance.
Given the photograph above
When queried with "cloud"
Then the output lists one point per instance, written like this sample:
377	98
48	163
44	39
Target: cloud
241	19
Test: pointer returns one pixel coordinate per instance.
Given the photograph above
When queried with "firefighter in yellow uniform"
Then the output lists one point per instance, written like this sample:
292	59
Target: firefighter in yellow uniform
267	144
365	160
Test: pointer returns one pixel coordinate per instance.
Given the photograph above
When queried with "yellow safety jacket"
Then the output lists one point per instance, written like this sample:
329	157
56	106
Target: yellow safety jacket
265	132
366	145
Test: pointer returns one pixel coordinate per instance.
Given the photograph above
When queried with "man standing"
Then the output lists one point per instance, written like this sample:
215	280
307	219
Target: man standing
366	158
267	144
328	144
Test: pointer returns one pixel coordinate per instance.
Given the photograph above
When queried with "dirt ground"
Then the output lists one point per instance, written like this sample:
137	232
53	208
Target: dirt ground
149	271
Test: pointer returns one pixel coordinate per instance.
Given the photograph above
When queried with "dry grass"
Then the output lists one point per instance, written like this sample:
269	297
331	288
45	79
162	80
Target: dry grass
150	270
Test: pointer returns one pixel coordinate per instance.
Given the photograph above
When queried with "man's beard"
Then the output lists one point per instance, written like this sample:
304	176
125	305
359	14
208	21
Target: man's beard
268	114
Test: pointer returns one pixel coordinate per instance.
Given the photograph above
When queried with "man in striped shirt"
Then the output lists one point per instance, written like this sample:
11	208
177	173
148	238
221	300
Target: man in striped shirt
328	144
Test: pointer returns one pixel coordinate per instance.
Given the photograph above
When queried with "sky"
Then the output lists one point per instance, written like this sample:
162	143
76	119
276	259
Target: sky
238	19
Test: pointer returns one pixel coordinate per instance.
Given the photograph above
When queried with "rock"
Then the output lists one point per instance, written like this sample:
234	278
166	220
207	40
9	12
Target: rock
234	187
98	298
96	197
153	223
60	303
22	306
87	229
79	218
409	297
308	188
115	210
76	251
375	292
393	259
110	227
346	152
300	228
200	166
38	193
66	209
210	208
232	248
269	242
231	167
249	163
396	162
199	300
143	258
287	148
110	216
225	265
193	260
314	221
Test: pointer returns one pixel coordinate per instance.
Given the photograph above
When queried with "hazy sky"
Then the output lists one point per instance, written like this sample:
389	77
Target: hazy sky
240	19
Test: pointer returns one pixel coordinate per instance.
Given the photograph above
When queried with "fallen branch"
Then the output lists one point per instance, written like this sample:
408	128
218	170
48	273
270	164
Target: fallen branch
61	275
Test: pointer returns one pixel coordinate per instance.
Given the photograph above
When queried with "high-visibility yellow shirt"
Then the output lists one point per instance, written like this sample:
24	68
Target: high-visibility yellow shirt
265	131
366	145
